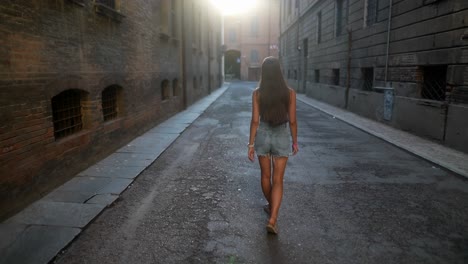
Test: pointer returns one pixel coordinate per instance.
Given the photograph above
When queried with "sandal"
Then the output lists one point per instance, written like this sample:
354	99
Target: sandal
272	229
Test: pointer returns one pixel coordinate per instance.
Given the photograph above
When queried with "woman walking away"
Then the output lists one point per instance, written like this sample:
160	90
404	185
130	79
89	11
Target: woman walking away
273	108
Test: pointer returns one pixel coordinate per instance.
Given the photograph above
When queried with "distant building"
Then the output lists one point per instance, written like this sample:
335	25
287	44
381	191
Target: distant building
80	78
249	38
349	54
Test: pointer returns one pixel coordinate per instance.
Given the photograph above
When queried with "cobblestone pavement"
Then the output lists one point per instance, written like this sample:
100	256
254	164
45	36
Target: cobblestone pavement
349	198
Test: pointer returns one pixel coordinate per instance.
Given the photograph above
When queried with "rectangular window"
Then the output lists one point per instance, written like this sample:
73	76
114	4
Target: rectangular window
109	3
232	35
341	16
254	27
317	76
367	79
174	18
371	12
336	77
254	56
319	27
305	45
434	82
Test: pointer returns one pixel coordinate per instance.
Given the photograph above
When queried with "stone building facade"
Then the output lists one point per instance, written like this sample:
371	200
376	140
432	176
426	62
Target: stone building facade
410	71
249	38
81	78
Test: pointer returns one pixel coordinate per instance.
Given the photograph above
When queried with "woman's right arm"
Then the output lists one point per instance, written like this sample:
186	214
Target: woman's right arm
293	120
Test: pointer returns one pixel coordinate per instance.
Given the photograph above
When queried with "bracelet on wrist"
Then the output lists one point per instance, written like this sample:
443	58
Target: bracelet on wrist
251	145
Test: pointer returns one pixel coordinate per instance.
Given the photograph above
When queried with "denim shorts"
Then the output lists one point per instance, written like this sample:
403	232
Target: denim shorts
273	141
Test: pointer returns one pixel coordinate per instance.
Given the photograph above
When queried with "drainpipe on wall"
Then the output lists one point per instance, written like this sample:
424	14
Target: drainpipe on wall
388	39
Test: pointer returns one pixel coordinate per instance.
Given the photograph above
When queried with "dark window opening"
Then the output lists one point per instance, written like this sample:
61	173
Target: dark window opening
434	82
372	8
108	3
295	74
319	27
336	77
195	84
367	79
165	92
317	76
109	103
341	16
305	44
66	111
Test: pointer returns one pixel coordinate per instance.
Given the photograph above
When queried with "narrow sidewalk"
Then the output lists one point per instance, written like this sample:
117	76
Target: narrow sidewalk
40	231
445	157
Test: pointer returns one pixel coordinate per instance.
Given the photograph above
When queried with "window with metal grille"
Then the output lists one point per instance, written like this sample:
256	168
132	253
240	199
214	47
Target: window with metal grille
372	6
175	87
367	79
109	103
165	90
317	76
66	112
434	82
109	3
336	76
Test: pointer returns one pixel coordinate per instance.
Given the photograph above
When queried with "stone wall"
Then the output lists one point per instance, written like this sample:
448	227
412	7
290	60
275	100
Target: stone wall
347	47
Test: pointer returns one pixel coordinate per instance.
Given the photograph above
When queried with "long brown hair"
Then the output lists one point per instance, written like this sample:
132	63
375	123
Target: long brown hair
273	93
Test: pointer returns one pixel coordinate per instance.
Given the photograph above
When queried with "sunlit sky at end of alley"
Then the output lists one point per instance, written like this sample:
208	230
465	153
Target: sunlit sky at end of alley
234	7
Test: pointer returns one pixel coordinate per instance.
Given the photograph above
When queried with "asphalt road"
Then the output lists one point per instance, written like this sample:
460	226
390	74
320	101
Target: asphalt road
349	198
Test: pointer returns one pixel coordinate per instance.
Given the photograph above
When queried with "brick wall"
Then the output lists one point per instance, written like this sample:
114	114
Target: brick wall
47	47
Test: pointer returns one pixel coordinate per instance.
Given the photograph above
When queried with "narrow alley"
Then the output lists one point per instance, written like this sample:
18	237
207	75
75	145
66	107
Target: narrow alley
349	198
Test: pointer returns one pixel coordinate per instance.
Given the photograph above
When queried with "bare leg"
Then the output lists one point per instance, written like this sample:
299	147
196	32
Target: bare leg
265	167
279	167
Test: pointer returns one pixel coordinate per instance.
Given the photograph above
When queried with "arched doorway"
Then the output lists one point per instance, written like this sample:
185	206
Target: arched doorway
232	64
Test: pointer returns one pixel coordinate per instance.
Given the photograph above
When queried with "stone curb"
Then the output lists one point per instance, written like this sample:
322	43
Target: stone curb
450	159
40	231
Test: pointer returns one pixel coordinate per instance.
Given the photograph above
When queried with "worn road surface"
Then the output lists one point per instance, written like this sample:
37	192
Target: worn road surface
349	198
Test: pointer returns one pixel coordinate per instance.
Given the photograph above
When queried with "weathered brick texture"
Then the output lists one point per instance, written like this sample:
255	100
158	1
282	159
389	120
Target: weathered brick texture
47	47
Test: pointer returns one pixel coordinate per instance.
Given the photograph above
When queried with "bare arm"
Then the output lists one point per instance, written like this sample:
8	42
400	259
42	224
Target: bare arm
254	122
292	119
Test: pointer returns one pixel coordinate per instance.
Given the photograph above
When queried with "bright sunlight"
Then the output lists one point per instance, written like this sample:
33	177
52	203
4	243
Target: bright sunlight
234	7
